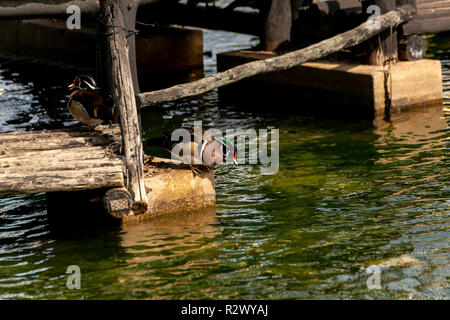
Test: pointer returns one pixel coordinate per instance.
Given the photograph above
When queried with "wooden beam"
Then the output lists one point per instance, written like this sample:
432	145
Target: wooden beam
68	178
432	17
63	160
121	83
283	62
214	18
62	139
431	25
35	10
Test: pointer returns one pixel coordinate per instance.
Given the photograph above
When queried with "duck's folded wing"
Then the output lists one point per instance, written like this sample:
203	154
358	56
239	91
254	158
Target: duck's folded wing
80	114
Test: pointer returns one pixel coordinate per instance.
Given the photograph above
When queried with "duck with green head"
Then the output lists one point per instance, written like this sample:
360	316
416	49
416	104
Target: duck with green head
211	150
87	104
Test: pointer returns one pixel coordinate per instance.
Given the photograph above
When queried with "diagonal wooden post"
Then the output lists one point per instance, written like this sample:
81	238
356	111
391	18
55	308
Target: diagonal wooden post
120	78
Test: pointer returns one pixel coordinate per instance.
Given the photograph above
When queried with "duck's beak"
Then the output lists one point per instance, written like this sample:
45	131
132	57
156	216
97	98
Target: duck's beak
71	86
235	159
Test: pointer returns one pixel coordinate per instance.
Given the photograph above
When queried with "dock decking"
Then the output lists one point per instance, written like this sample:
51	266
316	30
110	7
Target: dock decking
60	160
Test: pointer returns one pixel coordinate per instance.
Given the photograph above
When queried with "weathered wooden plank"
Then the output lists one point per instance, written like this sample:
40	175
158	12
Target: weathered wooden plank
44	9
433	13
62	139
420	2
48	157
432	17
18	3
210	18
431	4
49	143
430	25
83	131
60	180
283	62
121	84
31	168
64	160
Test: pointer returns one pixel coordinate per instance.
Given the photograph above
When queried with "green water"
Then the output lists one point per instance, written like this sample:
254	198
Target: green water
347	195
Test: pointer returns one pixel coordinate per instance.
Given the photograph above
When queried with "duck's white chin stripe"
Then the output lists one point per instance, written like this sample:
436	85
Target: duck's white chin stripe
203	149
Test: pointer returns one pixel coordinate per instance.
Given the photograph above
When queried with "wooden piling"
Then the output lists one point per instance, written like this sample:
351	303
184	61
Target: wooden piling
122	89
26	9
383	47
277	27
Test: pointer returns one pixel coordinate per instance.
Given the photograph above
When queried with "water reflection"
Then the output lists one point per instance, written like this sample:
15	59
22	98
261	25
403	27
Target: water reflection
423	128
27	89
167	254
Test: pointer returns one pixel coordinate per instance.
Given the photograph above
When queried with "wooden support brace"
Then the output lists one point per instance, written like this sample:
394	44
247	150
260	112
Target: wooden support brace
167	12
120	80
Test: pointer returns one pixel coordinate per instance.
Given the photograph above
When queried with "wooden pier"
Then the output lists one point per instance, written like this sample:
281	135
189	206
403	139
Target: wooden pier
112	158
68	161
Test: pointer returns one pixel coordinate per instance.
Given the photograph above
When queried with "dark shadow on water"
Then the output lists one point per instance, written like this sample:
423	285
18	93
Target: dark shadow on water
78	213
438	46
285	101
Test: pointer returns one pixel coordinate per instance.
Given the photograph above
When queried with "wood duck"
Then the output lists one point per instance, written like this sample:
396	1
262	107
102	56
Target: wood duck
87	104
211	150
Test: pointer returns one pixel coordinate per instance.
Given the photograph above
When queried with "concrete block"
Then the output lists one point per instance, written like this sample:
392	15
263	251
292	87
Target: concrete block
352	86
163	49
